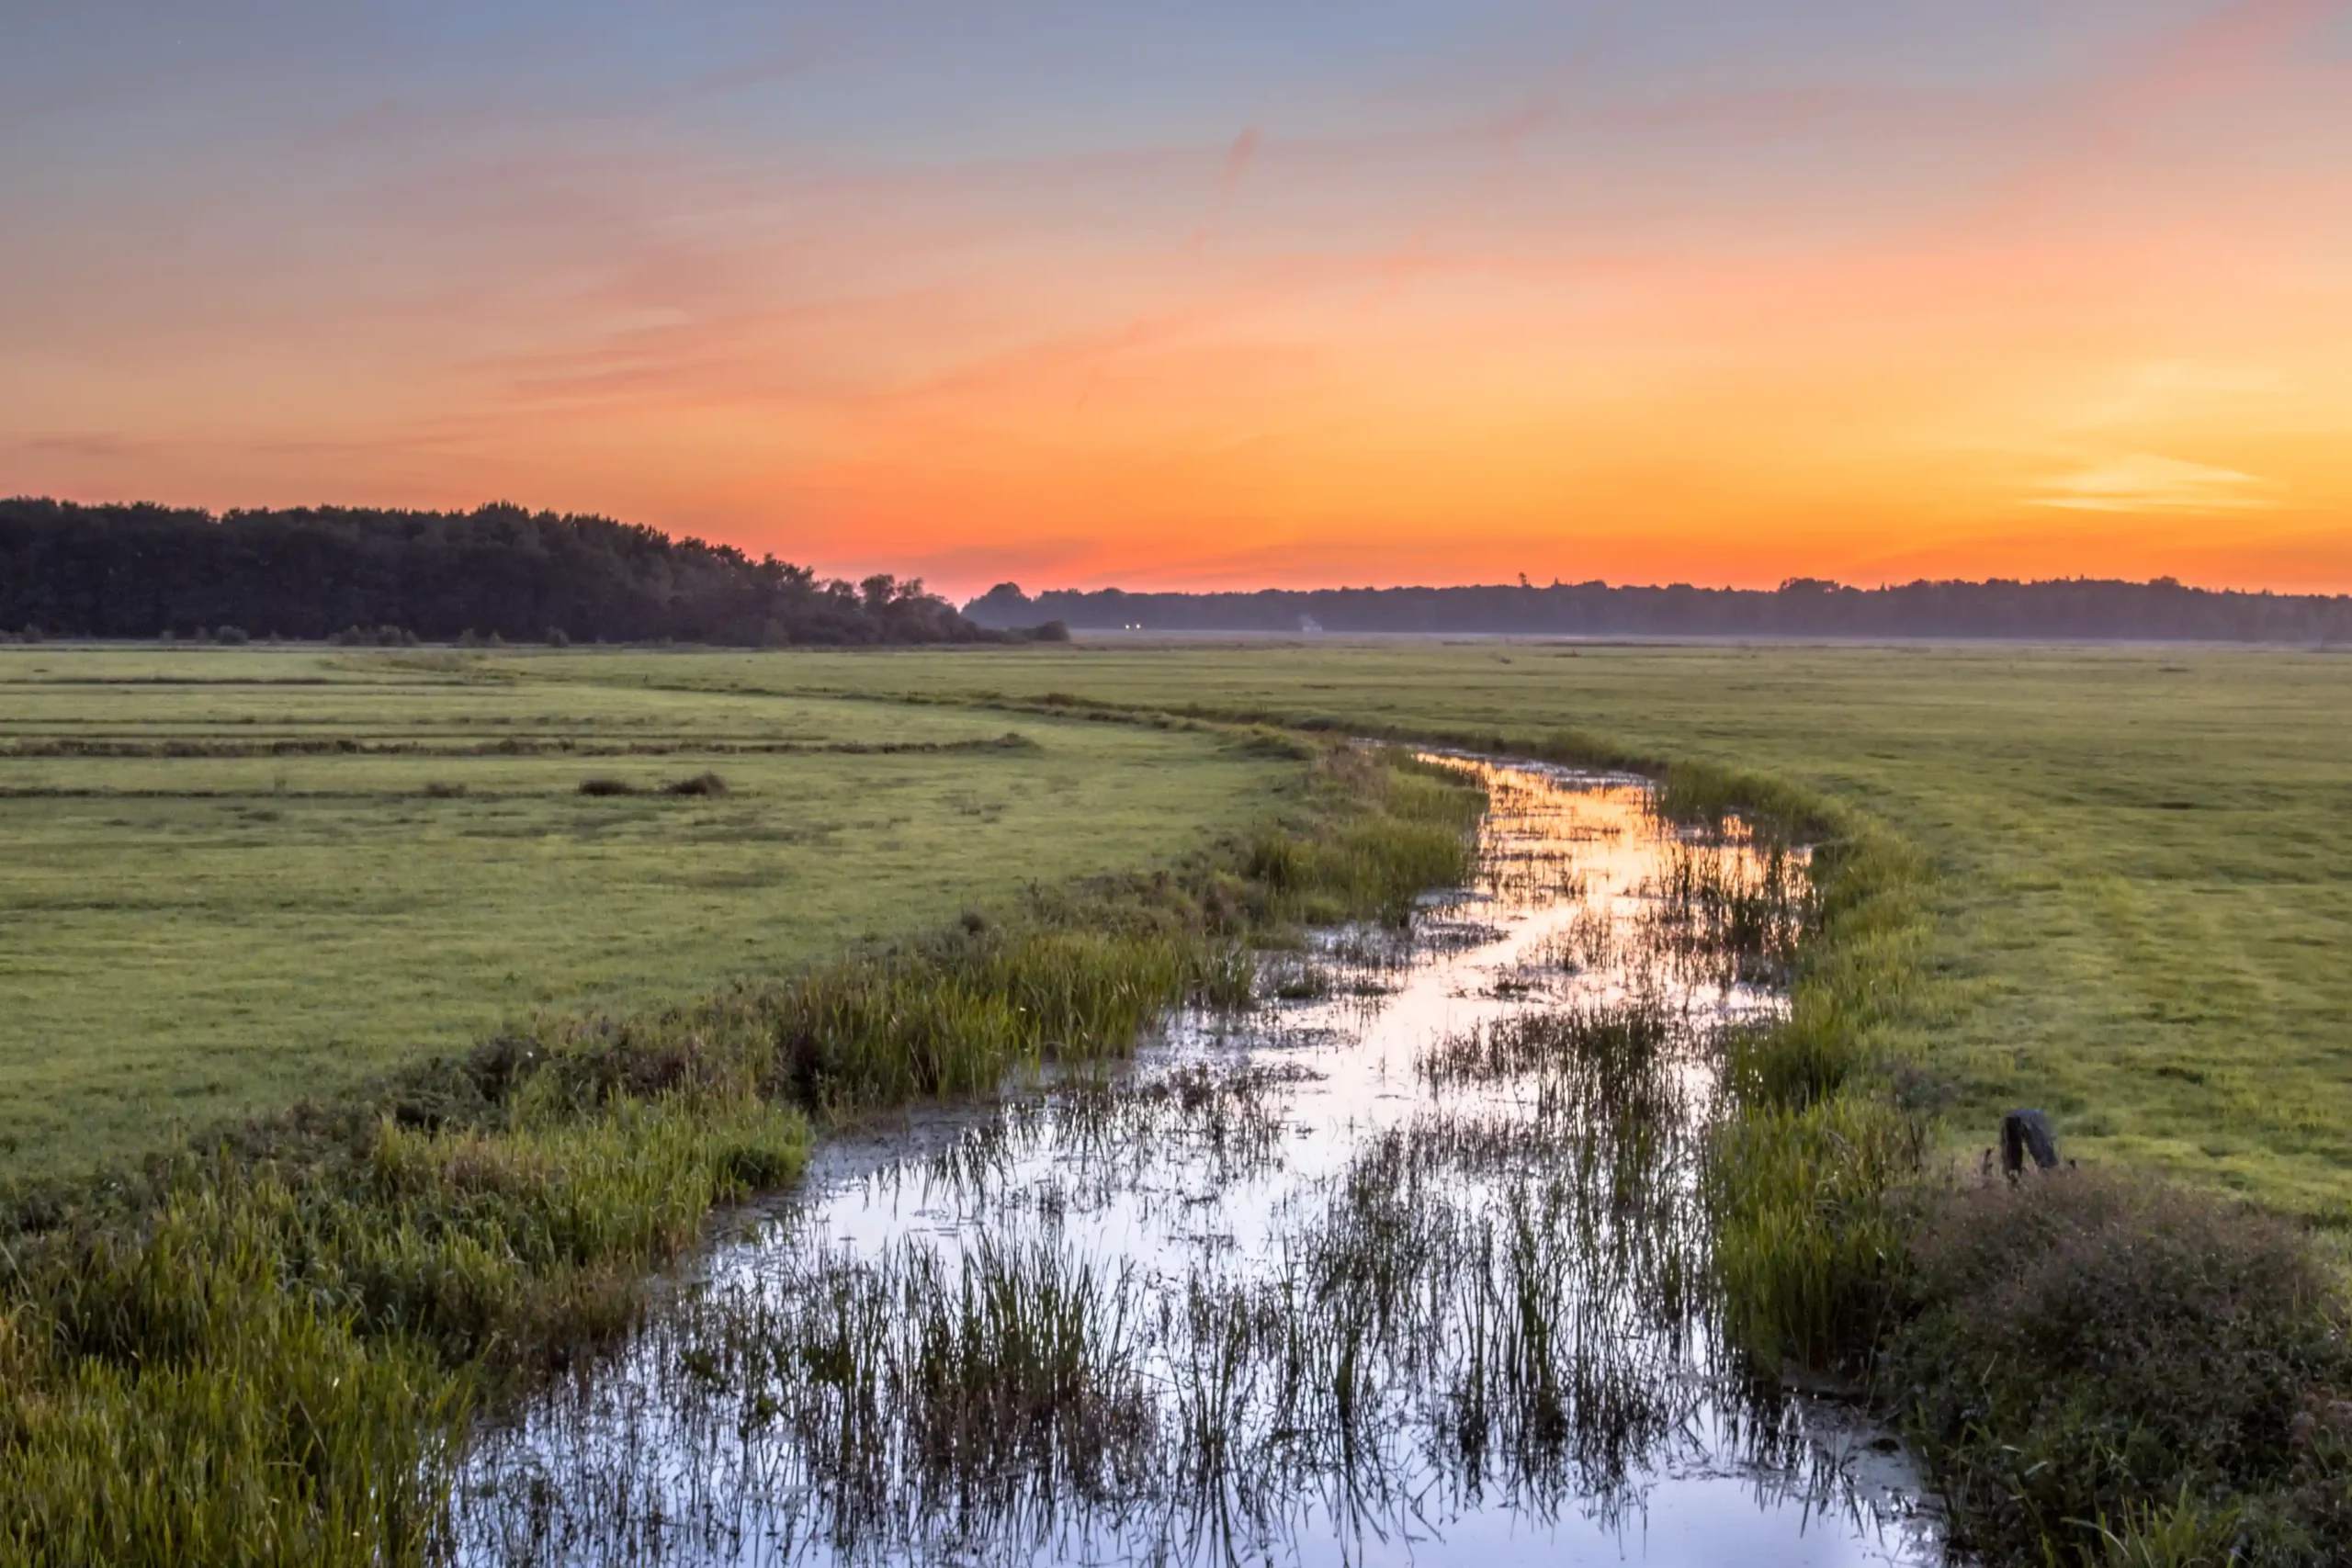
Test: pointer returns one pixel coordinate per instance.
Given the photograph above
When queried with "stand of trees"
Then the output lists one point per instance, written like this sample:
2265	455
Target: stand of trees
1808	607
146	570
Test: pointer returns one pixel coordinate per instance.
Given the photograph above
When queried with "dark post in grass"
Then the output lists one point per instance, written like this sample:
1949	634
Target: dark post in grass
2024	1131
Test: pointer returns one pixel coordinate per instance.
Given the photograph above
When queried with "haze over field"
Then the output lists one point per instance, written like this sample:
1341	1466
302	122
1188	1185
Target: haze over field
1213	295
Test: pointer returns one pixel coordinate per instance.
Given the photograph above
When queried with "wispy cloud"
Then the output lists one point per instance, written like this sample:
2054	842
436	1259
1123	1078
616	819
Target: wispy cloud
2145	482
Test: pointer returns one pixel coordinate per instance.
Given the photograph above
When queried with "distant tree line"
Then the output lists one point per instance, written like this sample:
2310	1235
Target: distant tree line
1803	607
364	575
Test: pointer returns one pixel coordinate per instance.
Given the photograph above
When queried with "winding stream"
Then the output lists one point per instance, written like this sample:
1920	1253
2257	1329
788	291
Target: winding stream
1403	1264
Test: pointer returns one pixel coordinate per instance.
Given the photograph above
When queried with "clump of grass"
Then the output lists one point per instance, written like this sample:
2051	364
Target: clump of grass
699	784
1300	981
2106	1368
1714	797
1741	918
1620	1041
1811	1148
1411	835
605	785
1808	1240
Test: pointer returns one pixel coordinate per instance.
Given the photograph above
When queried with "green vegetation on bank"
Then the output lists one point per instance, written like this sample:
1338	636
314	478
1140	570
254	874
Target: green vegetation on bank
237	878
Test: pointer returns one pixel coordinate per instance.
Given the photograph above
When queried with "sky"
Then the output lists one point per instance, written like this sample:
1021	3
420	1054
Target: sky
1210	294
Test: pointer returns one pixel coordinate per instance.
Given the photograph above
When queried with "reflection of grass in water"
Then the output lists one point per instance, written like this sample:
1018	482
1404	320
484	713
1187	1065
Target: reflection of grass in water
1105	1135
1486	1305
1728	916
1297	980
1607	1044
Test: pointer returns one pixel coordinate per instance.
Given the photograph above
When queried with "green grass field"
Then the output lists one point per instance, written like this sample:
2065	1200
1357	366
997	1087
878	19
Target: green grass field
207	908
235	880
2144	856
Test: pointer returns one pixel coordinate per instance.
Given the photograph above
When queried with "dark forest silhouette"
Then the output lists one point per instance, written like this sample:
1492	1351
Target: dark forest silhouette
2070	609
144	570
363	574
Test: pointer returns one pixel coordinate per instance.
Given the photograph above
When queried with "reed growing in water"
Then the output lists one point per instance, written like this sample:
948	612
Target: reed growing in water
1483	1297
266	1350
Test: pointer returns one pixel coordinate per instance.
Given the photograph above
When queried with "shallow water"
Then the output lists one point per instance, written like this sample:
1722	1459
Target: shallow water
1394	1267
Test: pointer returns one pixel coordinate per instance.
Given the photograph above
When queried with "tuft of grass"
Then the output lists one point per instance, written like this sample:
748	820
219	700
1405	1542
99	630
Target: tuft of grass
1411	833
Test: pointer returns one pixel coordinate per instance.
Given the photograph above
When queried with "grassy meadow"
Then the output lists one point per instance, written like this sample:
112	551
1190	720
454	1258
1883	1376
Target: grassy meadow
557	950
238	875
237	878
2142	857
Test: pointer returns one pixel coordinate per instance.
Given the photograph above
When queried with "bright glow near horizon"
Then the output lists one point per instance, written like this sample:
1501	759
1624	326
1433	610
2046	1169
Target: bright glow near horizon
1214	294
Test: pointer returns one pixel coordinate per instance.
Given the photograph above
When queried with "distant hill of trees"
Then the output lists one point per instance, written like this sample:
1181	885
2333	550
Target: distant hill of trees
145	571
1805	607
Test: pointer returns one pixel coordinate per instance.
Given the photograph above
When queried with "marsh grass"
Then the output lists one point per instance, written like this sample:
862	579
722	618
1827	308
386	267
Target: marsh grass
1731	919
264	1350
271	1365
1475	1304
1502	1301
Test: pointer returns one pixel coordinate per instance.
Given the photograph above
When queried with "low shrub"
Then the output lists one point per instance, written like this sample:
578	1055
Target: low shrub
2099	1365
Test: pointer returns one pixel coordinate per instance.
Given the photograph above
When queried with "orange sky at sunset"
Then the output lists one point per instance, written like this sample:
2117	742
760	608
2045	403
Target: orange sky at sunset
1450	295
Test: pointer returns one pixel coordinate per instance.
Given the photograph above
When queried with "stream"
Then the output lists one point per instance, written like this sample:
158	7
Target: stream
1403	1263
